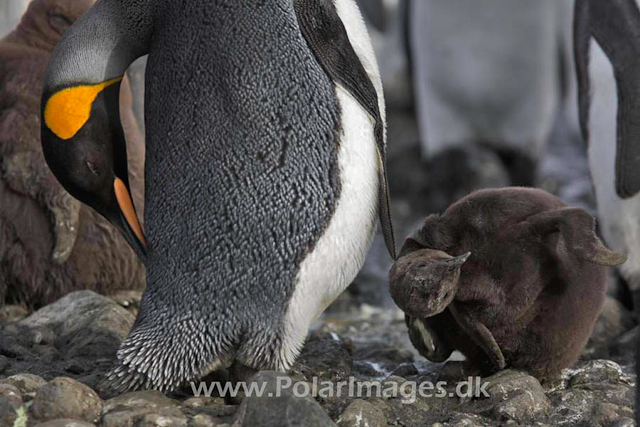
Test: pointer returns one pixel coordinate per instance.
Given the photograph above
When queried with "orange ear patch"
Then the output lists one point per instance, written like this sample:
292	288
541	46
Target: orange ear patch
68	110
126	206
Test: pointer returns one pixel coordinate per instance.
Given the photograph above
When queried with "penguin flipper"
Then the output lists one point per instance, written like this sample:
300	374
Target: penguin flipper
25	173
615	25
327	37
480	334
426	340
578	229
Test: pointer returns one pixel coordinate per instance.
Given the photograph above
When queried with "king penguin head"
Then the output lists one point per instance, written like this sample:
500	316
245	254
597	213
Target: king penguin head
84	146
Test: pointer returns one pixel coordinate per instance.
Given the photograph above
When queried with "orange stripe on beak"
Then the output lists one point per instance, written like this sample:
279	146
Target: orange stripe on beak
126	206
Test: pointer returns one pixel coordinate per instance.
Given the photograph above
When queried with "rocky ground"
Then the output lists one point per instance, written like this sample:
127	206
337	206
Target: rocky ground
52	360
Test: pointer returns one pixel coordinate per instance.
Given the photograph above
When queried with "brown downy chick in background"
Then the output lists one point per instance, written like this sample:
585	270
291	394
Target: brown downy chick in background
51	244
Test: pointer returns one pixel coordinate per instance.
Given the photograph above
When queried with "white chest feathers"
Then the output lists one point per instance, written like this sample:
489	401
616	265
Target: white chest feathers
340	252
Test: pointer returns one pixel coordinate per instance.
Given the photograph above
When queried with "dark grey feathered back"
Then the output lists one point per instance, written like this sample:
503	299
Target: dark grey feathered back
242	179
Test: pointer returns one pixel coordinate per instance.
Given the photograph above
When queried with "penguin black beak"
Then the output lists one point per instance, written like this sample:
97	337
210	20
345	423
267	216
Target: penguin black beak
138	247
457	262
128	220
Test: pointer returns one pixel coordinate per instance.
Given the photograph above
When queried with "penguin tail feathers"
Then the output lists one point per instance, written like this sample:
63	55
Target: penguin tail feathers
266	350
163	356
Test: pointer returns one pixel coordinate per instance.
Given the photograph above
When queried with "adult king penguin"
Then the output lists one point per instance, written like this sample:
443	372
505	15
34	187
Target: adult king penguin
265	132
607	52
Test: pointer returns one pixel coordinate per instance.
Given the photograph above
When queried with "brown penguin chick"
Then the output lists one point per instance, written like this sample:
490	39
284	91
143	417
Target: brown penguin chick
425	281
50	244
526	298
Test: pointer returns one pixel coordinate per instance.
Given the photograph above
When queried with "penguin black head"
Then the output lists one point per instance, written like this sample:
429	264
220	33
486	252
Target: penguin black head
85	149
424	282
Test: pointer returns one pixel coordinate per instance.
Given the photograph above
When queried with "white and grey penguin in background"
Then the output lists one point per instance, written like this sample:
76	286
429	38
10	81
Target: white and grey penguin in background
265	170
490	80
607	45
607	56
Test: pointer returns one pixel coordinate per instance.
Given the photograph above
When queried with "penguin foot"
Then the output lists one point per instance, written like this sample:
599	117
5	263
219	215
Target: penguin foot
458	171
239	373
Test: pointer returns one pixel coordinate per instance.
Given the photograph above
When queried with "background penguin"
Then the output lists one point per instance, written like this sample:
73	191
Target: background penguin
489	76
608	97
607	45
375	12
49	244
529	305
265	133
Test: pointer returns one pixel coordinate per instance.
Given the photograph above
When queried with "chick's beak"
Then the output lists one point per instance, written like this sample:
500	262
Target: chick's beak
457	262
